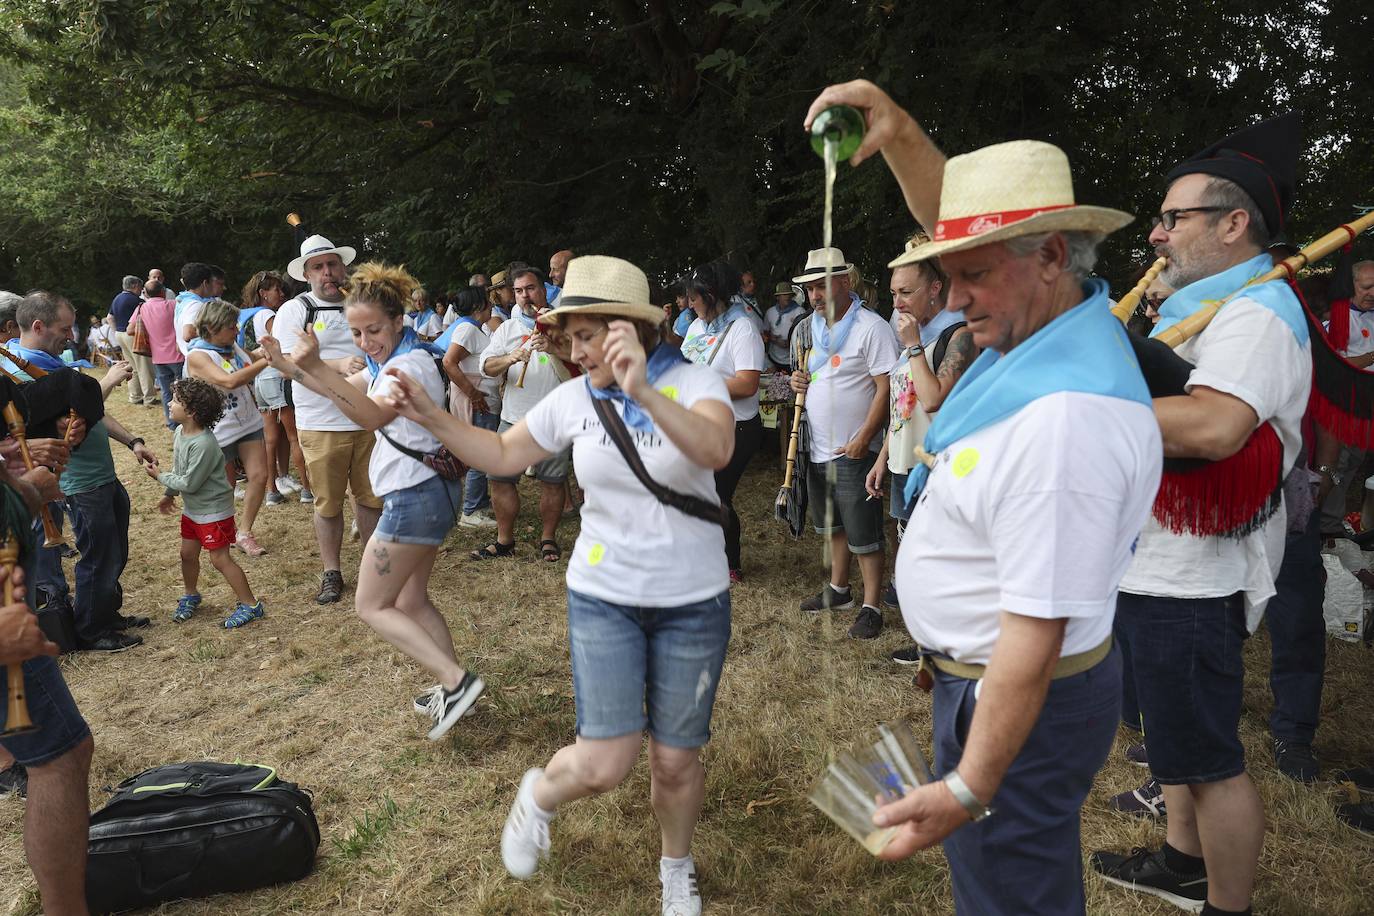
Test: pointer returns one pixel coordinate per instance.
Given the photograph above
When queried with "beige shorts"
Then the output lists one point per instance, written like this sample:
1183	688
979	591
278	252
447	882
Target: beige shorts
337	463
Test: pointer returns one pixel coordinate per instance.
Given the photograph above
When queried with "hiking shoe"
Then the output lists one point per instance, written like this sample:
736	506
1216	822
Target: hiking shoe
868	624
273	499
186	606
243	615
1137	754
477	520
890	597
131	622
680	894
111	641
1295	760
525	838
14	781
911	655
249	544
1146	801
1146	871
421	702
448	706
1359	817
828	600
287	485
307	497
331	587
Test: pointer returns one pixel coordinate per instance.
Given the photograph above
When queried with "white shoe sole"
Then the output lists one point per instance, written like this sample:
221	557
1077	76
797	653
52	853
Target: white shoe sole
458	710
481	522
507	832
1183	903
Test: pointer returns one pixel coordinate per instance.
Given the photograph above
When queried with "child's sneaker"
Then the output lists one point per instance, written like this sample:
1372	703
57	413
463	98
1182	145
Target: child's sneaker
307	498
273	498
243	614
186	606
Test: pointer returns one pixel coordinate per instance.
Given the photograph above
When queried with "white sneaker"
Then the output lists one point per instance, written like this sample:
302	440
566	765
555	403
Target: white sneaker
238	493
680	895
353	531
477	520
525	838
287	486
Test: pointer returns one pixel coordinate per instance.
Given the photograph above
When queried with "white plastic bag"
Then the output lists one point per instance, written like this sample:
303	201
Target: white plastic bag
1347	603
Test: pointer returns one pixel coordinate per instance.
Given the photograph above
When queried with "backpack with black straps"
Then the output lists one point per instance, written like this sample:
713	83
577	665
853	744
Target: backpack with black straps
942	344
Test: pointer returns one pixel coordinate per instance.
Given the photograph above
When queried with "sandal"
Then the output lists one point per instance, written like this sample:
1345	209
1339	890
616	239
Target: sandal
243	614
550	552
186	606
494	551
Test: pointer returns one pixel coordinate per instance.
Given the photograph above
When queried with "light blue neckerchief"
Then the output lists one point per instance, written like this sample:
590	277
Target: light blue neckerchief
527	320
1274	295
409	341
931	332
1085	350
40	358
230	354
826	340
698	349
660	361
445	339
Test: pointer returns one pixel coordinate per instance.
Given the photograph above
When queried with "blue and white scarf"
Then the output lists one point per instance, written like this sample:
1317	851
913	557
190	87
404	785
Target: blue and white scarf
527	320
826	340
1085	350
40	358
931	331
446	339
409	341
1275	295
660	361
700	348
231	355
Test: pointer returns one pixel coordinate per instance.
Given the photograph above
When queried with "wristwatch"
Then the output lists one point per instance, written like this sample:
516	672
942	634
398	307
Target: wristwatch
1330	474
913	352
136	440
964	796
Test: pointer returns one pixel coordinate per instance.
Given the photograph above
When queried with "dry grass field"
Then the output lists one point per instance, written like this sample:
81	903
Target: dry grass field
411	826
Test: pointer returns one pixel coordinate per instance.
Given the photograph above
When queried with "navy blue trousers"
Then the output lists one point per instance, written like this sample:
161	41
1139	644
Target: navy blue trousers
1297	637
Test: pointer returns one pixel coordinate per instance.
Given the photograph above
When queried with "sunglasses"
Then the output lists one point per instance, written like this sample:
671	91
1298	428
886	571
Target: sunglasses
1169	218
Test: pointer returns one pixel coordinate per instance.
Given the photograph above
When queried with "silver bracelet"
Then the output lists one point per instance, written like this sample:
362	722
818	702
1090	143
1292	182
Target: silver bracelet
964	796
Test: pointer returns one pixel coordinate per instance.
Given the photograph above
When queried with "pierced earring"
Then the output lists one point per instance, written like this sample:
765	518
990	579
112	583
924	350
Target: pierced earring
932	300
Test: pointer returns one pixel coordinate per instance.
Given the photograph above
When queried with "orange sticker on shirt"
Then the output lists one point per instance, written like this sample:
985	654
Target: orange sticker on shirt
1364	331
835	361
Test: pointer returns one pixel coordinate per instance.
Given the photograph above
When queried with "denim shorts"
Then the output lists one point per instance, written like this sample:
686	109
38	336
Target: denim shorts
553	469
269	391
231	451
1189	677
860	518
52	709
422	514
897	506
655	668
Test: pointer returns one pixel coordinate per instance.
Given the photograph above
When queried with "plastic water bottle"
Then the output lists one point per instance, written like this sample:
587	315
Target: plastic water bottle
843	124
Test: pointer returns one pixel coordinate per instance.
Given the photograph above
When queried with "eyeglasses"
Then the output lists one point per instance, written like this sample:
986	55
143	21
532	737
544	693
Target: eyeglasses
1169	218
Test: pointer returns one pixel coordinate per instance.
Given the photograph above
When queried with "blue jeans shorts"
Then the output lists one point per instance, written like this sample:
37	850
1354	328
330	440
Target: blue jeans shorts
231	451
860	518
422	514
268	391
655	668
1189	678
60	725
897	505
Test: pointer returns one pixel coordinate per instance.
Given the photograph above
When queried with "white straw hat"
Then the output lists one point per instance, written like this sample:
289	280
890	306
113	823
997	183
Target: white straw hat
1007	190
818	259
600	285
313	247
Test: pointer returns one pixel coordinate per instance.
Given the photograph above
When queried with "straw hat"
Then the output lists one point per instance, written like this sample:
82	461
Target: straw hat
598	285
1007	190
818	260
784	289
498	279
313	247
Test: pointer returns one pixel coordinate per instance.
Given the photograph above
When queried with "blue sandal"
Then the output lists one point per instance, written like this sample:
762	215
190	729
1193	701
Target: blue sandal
186	606
243	614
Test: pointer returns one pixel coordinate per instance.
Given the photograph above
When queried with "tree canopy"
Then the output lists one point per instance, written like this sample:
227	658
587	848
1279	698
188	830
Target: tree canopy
454	137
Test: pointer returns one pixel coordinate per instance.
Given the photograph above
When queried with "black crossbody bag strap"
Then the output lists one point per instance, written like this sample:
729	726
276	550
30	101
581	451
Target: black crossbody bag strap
694	506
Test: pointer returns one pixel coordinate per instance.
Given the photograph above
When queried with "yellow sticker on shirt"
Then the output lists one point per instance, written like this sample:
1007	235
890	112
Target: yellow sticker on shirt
226	366
596	554
319	325
964	462
669	392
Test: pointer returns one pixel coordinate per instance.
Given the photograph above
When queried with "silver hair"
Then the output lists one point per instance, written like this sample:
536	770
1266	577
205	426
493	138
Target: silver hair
9	306
131	282
1221	192
1082	249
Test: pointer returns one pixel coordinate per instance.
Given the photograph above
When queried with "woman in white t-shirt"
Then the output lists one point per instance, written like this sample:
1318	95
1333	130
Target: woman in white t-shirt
262	295
418	505
648	587
724	337
216	357
472	395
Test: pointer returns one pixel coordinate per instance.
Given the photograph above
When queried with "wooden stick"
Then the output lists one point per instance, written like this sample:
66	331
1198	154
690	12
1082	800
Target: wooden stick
798	405
17	720
52	535
1289	267
520	382
1124	309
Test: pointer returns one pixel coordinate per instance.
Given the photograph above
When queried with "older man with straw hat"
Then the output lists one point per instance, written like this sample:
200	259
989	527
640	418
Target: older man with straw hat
1043	464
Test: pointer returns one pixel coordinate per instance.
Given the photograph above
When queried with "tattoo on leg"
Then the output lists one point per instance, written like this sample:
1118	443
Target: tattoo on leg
383	561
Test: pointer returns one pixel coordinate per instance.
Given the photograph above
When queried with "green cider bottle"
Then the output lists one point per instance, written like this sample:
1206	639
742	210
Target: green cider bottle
843	124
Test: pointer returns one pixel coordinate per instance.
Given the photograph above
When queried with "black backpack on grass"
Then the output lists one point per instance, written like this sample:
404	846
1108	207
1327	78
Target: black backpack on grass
197	829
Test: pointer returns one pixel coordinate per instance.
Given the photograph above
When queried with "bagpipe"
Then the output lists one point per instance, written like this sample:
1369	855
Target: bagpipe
1237	495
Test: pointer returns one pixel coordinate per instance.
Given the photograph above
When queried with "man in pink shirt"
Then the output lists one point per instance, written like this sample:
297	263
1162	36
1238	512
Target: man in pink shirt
158	319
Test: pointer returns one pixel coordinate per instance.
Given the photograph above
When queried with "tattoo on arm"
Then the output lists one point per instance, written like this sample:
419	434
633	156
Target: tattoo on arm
383	561
961	352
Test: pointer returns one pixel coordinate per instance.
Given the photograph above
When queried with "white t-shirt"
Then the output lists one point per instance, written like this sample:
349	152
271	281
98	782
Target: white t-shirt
842	390
241	415
546	371
450	316
741	350
633	549
262	326
1361	332
315	411
1036	515
779	327
1248	352
389	469
474	339
185	312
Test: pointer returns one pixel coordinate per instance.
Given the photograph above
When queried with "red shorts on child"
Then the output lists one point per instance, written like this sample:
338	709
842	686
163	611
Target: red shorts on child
212	535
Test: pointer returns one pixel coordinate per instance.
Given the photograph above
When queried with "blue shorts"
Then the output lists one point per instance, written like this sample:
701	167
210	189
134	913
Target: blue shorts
269	391
1189	682
52	709
855	514
897	506
655	668
422	514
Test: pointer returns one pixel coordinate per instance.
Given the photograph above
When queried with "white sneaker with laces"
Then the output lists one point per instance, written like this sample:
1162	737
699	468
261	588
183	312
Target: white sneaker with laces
525	838
477	520
679	880
287	486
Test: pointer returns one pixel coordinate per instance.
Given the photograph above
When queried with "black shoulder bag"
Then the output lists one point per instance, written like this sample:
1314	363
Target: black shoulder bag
694	506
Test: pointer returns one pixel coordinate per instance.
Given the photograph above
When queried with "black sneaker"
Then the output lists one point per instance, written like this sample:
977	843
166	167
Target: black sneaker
421	702
1362	777
125	622
890	597
1147	801
1295	760
1358	817
14	781
1137	754
911	655
1144	870
448	706
331	587
868	624
828	600
111	641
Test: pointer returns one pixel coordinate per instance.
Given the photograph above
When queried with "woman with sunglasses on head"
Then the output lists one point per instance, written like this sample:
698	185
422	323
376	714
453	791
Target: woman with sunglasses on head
647	632
418	505
724	337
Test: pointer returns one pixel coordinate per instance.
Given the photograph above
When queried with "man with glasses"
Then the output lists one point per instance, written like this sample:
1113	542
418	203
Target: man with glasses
1187	603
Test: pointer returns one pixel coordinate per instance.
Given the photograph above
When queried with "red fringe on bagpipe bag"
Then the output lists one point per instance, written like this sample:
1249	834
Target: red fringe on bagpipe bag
1228	498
